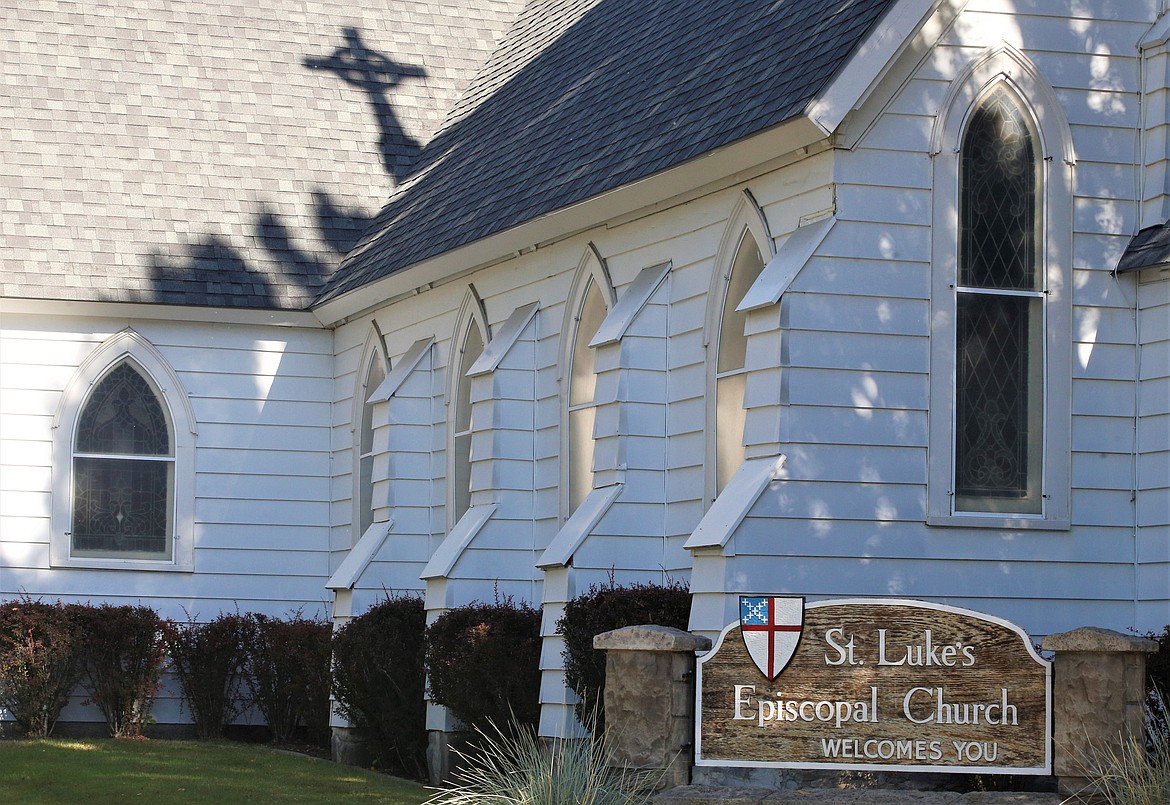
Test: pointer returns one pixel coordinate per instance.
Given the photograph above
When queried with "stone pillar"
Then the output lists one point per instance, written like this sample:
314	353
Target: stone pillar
1098	698
650	698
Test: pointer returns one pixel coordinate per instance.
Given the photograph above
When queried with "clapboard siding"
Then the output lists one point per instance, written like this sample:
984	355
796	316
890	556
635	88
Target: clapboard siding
1153	443
260	401
861	540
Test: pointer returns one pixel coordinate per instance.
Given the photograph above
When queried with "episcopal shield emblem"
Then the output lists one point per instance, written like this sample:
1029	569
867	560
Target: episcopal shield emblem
771	628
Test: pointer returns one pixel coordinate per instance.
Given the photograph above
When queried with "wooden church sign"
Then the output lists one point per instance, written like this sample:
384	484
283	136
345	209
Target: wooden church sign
873	684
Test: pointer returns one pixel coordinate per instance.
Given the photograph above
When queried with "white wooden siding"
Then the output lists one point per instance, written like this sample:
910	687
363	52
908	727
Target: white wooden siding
1153	453
261	487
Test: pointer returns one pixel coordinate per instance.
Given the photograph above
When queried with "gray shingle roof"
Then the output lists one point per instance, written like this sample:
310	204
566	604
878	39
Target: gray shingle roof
215	152
584	96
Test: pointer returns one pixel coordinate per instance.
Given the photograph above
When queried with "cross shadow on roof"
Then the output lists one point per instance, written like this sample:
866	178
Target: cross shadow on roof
375	74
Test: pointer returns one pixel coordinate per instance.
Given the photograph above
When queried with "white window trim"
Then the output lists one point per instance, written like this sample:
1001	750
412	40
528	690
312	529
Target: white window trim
746	216
591	268
472	313
1004	67
374	350
125	345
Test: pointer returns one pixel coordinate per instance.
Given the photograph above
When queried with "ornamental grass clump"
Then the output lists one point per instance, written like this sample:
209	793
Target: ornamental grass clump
209	660
378	682
1136	774
511	767
123	651
39	662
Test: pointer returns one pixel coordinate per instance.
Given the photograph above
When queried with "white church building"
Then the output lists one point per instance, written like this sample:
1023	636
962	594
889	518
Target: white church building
814	297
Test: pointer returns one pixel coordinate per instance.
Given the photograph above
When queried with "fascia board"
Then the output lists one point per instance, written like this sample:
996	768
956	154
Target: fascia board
735	160
447	554
406	364
15	306
633	300
505	337
870	61
734	502
360	555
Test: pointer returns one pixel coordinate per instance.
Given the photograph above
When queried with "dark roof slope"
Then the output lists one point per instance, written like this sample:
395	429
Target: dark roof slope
584	96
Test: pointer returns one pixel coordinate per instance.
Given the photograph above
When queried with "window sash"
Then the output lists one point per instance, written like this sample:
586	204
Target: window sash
999	403
123	507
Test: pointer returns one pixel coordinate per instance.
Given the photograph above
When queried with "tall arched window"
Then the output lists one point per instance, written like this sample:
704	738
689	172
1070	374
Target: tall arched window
999	314
123	470
581	403
374	375
730	360
1001	303
471	346
590	299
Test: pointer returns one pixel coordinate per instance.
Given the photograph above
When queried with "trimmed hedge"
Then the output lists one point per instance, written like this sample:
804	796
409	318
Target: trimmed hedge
483	662
210	661
122	649
379	680
601	609
39	662
288	668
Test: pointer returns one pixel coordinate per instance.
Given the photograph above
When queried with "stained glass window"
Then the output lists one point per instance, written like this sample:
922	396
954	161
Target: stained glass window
999	316
123	468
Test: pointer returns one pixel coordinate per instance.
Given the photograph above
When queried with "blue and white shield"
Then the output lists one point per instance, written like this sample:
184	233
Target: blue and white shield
771	628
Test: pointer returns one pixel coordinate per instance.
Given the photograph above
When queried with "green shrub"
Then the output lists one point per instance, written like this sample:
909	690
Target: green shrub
39	663
601	609
512	767
483	661
288	669
209	660
123	649
378	681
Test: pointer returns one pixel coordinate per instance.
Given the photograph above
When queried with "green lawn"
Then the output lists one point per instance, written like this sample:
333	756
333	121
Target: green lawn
92	772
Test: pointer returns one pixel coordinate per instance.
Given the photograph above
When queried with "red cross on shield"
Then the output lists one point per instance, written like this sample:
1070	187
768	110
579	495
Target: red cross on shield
771	627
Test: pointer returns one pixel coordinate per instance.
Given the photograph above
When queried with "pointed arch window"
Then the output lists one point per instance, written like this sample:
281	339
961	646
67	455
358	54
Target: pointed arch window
730	360
999	315
470	350
374	375
123	470
1001	303
581	411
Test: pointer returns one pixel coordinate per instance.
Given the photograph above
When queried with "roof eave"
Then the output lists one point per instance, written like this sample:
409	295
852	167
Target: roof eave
735	161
